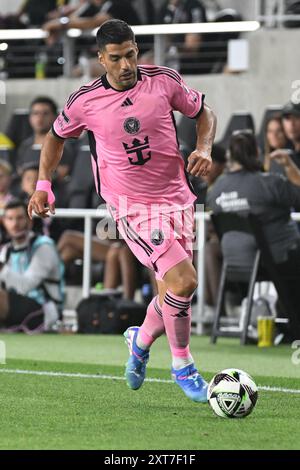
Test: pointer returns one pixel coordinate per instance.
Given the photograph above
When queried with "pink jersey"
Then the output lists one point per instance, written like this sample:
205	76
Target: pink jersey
132	136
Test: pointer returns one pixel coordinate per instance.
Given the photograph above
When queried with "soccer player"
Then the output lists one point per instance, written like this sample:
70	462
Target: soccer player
128	114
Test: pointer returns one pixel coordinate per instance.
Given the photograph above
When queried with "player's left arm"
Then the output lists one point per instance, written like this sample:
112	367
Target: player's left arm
199	161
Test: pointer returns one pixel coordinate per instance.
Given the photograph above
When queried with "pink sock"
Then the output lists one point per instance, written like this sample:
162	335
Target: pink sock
177	320
153	325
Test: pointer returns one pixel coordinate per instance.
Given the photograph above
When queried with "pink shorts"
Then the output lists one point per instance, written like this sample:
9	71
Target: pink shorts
160	240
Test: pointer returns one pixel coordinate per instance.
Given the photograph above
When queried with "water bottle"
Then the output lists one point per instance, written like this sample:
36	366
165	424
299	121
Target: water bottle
40	66
147	293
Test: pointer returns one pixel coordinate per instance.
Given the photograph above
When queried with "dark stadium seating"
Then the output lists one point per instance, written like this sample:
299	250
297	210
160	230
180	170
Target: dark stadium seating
81	188
18	128
238	121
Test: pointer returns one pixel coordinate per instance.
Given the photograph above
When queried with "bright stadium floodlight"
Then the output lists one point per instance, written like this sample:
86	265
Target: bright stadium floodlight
7	34
183	28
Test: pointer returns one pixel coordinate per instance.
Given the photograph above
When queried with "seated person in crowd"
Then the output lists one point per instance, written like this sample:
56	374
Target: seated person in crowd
43	112
31	275
5	194
36	12
275	139
288	159
291	126
120	265
188	45
52	227
244	188
5	183
89	16
98	12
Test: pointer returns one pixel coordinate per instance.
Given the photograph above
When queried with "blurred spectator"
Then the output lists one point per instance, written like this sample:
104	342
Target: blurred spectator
146	11
5	194
99	11
29	176
43	112
291	126
184	50
120	265
50	226
275	139
32	13
271	198
31	274
5	182
89	16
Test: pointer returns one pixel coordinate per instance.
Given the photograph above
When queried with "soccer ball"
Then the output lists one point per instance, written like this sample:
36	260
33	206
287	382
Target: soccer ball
232	393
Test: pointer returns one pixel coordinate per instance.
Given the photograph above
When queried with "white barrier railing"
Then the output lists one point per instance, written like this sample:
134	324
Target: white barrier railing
89	214
159	31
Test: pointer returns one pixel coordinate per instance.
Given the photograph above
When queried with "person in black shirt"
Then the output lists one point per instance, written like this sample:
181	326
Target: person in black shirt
285	157
188	45
101	11
291	125
244	188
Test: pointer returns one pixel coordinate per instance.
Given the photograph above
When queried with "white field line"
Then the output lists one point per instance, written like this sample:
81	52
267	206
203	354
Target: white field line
111	377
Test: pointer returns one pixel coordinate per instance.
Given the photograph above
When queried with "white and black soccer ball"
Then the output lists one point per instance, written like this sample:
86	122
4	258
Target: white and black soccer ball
232	393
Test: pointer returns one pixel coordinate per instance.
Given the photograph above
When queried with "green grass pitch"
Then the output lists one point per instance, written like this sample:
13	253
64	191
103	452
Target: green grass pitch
47	404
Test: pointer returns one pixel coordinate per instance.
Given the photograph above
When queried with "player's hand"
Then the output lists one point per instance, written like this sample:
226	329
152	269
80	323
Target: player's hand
199	163
282	157
39	205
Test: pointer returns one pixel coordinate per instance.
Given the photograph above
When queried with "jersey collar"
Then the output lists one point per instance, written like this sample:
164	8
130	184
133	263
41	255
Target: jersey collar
107	85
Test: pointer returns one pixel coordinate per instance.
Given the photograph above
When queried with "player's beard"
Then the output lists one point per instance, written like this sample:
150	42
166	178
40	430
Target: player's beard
130	82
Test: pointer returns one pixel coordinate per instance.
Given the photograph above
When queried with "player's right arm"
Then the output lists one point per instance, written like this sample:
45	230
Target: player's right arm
50	157
69	123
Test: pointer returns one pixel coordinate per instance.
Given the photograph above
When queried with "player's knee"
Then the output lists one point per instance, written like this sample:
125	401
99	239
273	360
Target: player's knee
185	286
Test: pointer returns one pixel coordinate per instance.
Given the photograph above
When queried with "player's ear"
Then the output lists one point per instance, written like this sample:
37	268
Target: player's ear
101	58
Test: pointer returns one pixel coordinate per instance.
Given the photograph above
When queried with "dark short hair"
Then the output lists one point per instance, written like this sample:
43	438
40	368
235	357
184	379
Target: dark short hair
244	150
291	109
45	100
14	204
114	32
29	166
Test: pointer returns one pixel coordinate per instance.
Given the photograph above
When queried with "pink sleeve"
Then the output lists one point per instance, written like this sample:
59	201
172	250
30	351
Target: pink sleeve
184	99
69	122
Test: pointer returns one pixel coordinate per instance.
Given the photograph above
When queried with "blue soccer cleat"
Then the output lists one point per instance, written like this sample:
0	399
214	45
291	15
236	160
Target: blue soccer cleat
191	382
136	366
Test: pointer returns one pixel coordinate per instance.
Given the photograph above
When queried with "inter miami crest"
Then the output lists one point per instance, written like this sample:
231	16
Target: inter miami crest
132	125
157	237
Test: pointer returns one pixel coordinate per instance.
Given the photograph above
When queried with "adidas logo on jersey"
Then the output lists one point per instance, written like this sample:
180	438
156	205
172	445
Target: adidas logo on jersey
127	102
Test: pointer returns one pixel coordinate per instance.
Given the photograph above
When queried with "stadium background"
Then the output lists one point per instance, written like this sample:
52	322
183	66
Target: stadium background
272	78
